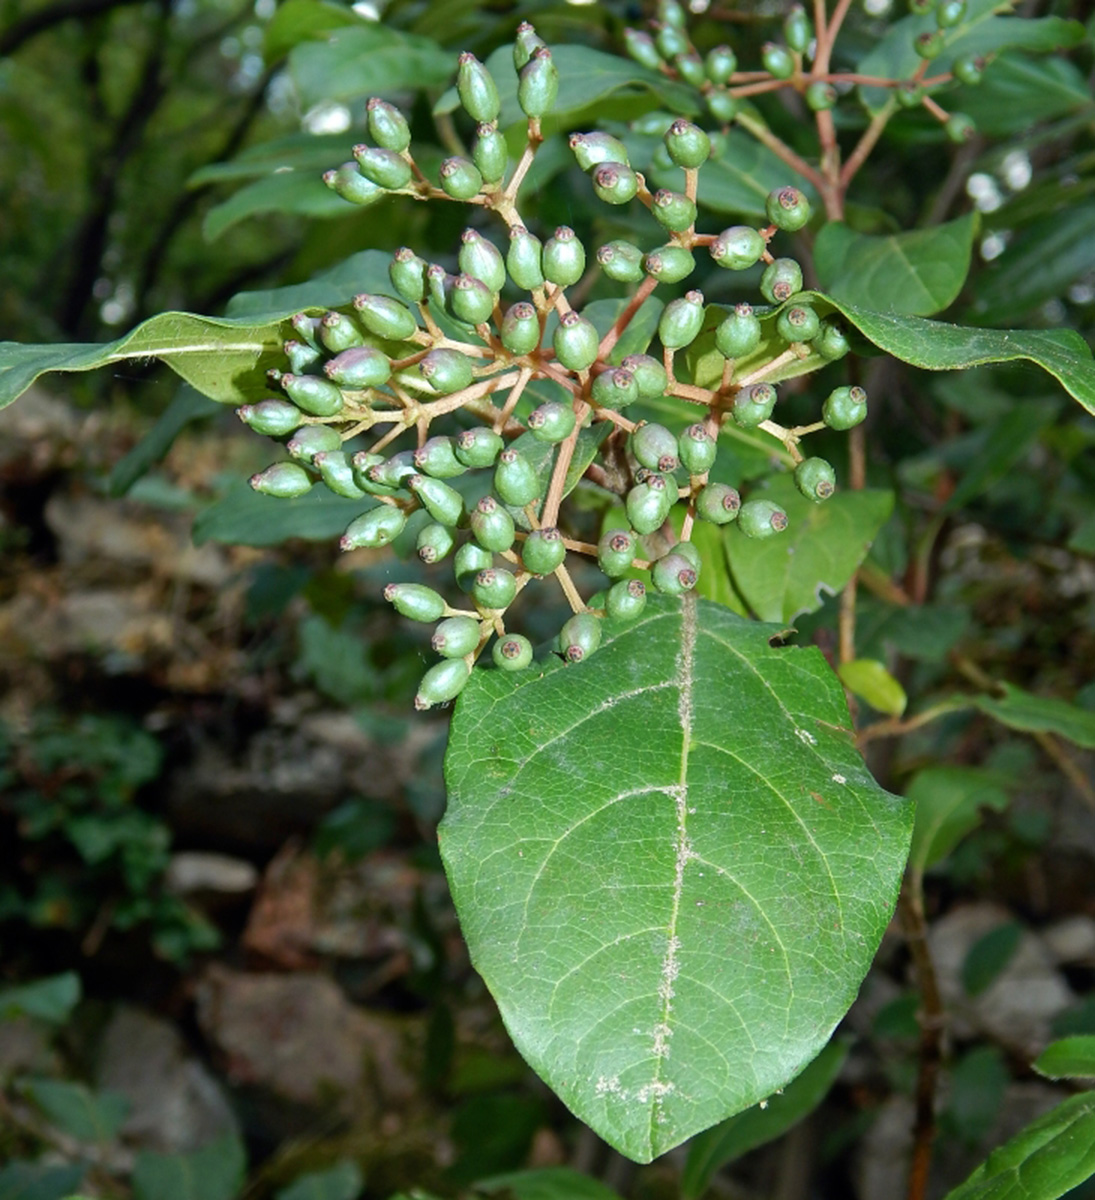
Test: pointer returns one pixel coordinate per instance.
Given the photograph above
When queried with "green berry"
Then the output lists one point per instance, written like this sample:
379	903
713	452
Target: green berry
471	300
552	422
739	334
580	637
489	152
348	182
671	41
564	257
301	356
439	282
738	248
275	418
673	575
754	404
621	261
615	551
798	323
460	178
787	209
494	588
478	447
317	396
687	144
669	263
447	370
415	601
385	317
524	259
311	440
969	69
698	449
476	89
648	503
362	463
468	561
437	457
722	106
626	599
385	168
387	125
306	328
442	502
959	128
592	149
669	12
338	333
798	30
515	478
782	278
908	94
831	342
673	211
655	447
681	321
456	636
721	62
640	46
921	8
538	84
491	525
844	407
615	388
761	519
392	472
285	480
949	13
575	342
359	367
718	503
378	527
525	44
930	44
338	473
433	542
777	60
408	275
820	96
690	68
543	550
521	328
815	479
442	683
614	182
482	260
649	375
512	652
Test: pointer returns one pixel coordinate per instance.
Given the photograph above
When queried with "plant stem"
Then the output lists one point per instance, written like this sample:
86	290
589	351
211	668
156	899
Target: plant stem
549	514
780	149
624	319
867	143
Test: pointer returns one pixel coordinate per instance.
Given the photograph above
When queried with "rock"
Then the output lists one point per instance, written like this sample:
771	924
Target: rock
175	1103
197	871
1072	940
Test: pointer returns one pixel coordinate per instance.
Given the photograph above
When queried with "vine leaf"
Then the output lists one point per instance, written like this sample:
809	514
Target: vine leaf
671	866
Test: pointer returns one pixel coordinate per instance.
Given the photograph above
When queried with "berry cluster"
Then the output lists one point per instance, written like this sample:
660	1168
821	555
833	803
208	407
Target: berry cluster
463	345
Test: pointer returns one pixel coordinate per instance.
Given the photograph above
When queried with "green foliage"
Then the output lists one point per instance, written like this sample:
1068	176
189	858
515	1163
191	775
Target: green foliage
215	1172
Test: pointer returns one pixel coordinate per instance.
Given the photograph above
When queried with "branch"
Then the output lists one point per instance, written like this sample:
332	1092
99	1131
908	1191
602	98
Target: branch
38	22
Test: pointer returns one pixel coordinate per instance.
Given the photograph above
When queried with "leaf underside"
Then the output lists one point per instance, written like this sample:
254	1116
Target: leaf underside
671	866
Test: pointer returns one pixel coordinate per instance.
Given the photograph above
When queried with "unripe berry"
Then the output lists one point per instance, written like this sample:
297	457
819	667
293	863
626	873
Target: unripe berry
831	342
442	502
698	449
306	328
538	84
437	457
649	375
275	418
442	683
969	69
655	447
782	278
673	211
455	636
494	588
359	367
681	321
615	388
491	525
777	60
798	30
520	331
722	106
690	68
515	479
648	503
348	182
718	503
478	447
920	8
471	300
949	13
383	167
615	551
669	12
669	263
754	404
580	637
626	599
476	89
959	128
317	396
378	527
408	275
362	463
415	601
687	144
614	182
468	561
930	45
564	257
489	152
301	356
761	519
592	149
387	125
721	62
737	248
543	550
311	440
640	46
446	370
433	542
392	472
440	284
621	261
552	422
673	575
525	44
285	480
524	259
512	652
739	334
844	407
338	332
338	474
820	96
787	209
799	323
908	94
815	479
575	341
671	41
460	178
482	260
385	317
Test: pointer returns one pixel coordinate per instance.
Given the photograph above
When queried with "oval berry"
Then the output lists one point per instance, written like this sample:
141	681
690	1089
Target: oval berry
512	652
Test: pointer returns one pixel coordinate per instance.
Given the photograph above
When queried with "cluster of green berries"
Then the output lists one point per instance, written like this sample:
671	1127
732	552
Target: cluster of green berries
460	341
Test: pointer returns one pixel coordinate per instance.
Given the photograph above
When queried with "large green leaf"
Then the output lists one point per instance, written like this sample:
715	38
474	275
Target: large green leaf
1017	92
784	576
215	1172
671	866
948	802
298	21
51	999
294	152
343	1181
1068	1058
244	517
716	1147
547	1183
1019	709
223	358
1043	1161
302	193
919	272
83	1114
21	1180
366	271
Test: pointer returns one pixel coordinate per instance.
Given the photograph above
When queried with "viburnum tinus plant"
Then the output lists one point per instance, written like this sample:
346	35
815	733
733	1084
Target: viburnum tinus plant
670	862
